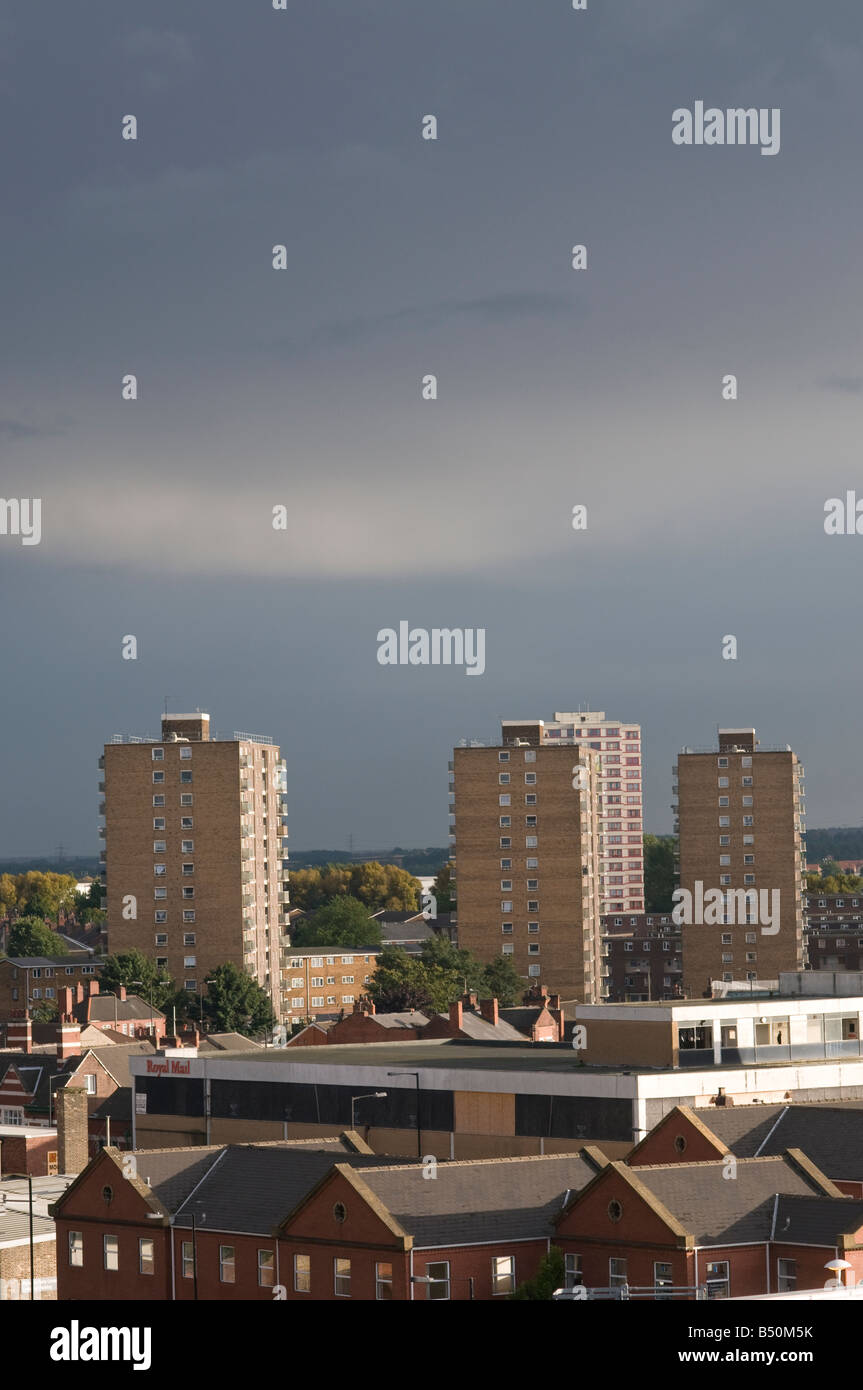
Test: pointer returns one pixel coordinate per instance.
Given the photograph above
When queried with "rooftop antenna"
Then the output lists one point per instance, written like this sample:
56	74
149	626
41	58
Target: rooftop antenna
167	698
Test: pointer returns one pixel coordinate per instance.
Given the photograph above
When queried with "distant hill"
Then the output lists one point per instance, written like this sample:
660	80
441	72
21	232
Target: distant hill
81	865
421	862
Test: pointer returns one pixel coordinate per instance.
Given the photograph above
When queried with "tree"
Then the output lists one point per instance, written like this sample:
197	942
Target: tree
341	922
8	895
437	977
501	981
442	889
46	895
235	1003
31	936
830	868
402	982
375	885
138	973
44	1011
550	1276
94	894
659	877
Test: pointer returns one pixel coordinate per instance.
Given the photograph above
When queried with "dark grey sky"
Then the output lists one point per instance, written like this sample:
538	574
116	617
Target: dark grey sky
406	257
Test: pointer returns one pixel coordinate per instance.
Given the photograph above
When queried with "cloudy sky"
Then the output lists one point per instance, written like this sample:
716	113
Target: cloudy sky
302	387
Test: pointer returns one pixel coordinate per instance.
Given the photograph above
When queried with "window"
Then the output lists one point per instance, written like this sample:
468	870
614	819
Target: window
185	753
318	1001
747	781
111	1252
383	1281
503	779
504	800
724	820
266	1269
159	870
342	1277
189	914
530	779
747	801
158	776
188	869
532	884
315	961
531	863
506	863
533	926
616	1272
787	1272
158	755
506	885
506	906
161	939
662	1278
190	985
438	1273
158	800
726	938
530	821
572	1271
717	1279
186	799
158	846
534	971
146	1255
530	841
503	757
188	846
227	1265
158	822
533	905
723	800
507	949
161	915
505	843
506	926
347	960
303	1273
317	982
189	962
76	1248
530	799
185	776
725	859
503	1274
724	840
347	979
722	762
505	821
530	755
723	781
187	822
748	820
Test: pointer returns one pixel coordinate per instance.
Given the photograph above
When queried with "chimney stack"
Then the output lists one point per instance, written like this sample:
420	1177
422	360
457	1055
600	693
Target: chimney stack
489	1010
455	1015
19	1035
93	986
72	1146
469	999
79	993
68	1040
121	993
65	1004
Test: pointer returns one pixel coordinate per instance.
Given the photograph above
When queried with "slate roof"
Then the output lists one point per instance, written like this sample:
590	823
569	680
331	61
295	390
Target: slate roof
105	1008
35	962
521	1018
228	1042
816	1220
15	1224
719	1210
478	1027
831	1135
505	1198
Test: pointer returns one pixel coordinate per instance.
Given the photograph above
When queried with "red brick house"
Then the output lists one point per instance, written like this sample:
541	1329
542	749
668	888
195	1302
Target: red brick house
735	1227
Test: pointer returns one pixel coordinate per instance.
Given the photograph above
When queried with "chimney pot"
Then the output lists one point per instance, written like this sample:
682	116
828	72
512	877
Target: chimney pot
455	1014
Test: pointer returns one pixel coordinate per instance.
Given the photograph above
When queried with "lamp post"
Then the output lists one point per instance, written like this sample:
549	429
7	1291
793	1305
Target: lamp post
416	1076
149	988
26	1177
368	1095
204	982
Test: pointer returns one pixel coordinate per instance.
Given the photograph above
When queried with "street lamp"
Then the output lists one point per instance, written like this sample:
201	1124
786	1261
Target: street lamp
26	1177
416	1076
368	1095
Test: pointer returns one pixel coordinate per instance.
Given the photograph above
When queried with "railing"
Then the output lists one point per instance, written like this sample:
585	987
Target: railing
622	1293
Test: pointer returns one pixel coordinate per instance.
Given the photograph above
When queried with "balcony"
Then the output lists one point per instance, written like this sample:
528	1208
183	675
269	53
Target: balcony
101	760
101	786
101	832
102	807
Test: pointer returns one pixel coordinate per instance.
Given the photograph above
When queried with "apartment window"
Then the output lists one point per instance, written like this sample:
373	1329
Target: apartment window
748	878
750	938
162	962
188	869
347	979
748	820
111	1252
227	1264
189	962
627	945
503	1274
188	892
724	840
532	883
723	800
749	858
438	1272
505	800
531	863
297	982
530	779
302	1273
725	859
347	999
158	846
266	1269
347	960
37	994
158	800
317	982
787	1272
187	822
534	971
187	846
188	1252
747	801
572	1276
503	779
530	841
506	927
724	820
724	878
746	762
506	885
533	949
342	1277
146	1255
726	938
506	863
505	821
185	776
747	781
191	986
76	1248
530	755
318	1002
722	762
383	1281
505	843
159	823
187	799
751	957
530	799
160	870
185	753
507	949
530	821
188	914
616	1272
158	776
158	755
316	961
506	906
723	781
161	939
